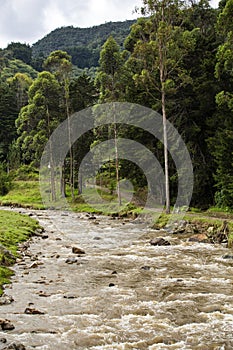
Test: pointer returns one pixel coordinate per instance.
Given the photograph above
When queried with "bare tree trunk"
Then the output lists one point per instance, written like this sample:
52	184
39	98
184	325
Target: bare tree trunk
71	177
167	188
51	163
52	176
117	164
62	184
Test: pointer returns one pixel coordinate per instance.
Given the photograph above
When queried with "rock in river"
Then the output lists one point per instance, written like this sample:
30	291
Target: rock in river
71	261
14	346
6	325
201	238
159	241
31	311
77	250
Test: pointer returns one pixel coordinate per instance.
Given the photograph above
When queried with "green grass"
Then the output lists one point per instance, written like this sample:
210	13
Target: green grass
25	194
14	229
203	219
90	202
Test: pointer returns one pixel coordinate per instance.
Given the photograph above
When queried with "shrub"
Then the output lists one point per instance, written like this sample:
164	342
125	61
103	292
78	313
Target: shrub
5	182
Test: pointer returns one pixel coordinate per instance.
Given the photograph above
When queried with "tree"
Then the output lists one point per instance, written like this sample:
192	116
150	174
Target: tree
108	80
38	120
59	62
20	51
8	115
161	50
221	144
83	94
20	83
195	102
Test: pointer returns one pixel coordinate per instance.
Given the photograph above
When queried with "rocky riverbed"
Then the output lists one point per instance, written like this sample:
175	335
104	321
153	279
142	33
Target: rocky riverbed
96	283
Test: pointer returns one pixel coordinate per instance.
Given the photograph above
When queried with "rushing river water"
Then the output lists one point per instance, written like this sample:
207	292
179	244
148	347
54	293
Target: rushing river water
123	293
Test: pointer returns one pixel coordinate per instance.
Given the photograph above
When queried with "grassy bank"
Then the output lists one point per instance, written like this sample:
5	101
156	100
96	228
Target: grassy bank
23	194
14	229
26	194
205	219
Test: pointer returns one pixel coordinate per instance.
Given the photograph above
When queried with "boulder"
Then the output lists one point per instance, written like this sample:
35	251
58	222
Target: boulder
6	257
228	256
201	238
71	261
15	346
31	311
159	242
6	299
6	325
76	250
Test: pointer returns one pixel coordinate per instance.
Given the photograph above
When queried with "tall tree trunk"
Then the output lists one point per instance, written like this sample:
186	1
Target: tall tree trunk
52	175
167	187
71	177
51	163
117	166
62	183
117	161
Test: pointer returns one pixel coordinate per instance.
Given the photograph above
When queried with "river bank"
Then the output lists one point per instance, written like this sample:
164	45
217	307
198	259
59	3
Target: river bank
14	229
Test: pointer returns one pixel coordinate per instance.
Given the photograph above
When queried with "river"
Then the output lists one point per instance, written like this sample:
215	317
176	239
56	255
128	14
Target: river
123	293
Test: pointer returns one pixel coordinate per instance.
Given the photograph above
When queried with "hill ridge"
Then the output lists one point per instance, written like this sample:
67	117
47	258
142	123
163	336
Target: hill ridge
83	44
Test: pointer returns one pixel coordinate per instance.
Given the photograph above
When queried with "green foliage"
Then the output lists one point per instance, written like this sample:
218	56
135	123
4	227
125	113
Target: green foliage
5	182
8	114
20	51
39	118
15	66
221	143
26	172
83	44
197	82
23	194
110	73
14	229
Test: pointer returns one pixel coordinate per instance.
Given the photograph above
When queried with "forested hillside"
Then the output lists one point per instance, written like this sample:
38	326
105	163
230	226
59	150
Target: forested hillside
83	44
175	60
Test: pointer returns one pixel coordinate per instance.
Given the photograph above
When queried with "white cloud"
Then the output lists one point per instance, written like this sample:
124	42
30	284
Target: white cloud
30	20
20	20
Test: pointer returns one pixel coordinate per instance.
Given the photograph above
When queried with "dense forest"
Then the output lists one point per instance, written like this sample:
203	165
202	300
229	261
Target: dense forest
175	59
83	44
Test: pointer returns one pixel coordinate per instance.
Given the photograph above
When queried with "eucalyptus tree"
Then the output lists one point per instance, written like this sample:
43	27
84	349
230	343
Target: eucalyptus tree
8	115
158	46
20	83
59	62
222	142
38	119
108	80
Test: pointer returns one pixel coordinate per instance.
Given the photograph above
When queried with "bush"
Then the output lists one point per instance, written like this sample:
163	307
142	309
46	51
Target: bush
27	172
224	199
5	182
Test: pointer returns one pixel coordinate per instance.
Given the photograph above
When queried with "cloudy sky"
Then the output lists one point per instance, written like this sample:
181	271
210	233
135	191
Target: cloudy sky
27	21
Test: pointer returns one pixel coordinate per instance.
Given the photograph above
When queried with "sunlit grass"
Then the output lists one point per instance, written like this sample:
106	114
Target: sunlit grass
25	194
14	229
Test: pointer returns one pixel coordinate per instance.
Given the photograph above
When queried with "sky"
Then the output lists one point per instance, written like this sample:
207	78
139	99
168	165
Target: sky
27	21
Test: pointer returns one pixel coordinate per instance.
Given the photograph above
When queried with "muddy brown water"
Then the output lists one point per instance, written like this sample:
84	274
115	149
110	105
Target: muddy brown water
123	293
